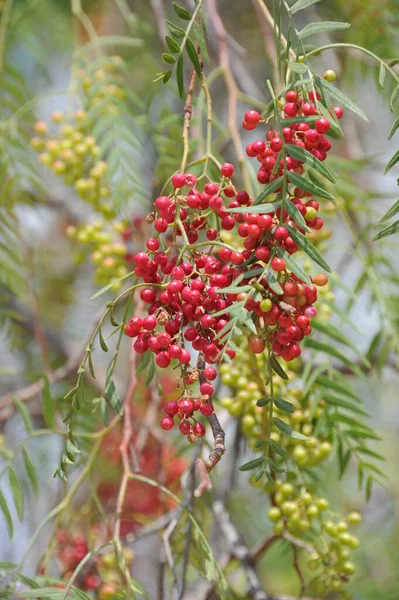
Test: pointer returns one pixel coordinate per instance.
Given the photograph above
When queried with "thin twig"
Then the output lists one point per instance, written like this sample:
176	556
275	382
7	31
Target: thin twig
204	467
232	90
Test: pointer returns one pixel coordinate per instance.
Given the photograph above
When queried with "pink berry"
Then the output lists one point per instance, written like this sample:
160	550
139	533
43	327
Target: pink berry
167	423
227	170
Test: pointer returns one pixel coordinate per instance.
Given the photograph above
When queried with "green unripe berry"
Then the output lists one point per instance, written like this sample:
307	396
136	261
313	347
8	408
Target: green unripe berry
345	538
274	514
348	568
287	489
312	511
322	504
354	518
266	305
330	75
342	526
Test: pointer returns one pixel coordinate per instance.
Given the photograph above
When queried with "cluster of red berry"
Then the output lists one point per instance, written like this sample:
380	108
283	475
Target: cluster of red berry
71	550
188	290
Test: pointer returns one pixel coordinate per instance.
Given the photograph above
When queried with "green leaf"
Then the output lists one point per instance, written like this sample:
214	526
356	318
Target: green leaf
277	368
297	67
181	12
8	566
381	75
104	411
336	334
287	429
308	186
391	212
394	98
113	397
31	472
7	515
263	401
325	86
321	27
307	247
262	209
301	4
284	405
273	282
274	466
180	76
336	401
168	58
305	156
48	405
252	464
330	350
91	366
199	36
29	582
175	30
17	492
172	45
293	266
193	56
103	345
394	128
20	406
390	230
267	190
296	215
368	452
278	449
337	386
392	162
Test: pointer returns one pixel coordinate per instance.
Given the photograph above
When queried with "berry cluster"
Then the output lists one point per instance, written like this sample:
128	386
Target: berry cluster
305	419
100	576
190	291
297	511
73	153
110	256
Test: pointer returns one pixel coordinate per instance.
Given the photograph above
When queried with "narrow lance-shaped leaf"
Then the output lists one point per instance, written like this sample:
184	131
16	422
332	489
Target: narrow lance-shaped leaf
31	472
180	76
193	56
391	212
252	464
287	429
7	514
17	492
181	12
394	128
20	406
48	405
294	266
307	247
284	405
340	97
305	156
321	27
308	186
277	368
381	75
390	230
175	30
296	215
172	45
301	4
392	162
269	189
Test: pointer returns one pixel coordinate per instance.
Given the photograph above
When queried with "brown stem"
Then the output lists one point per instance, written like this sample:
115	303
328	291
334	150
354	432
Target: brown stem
232	90
187	114
204	467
